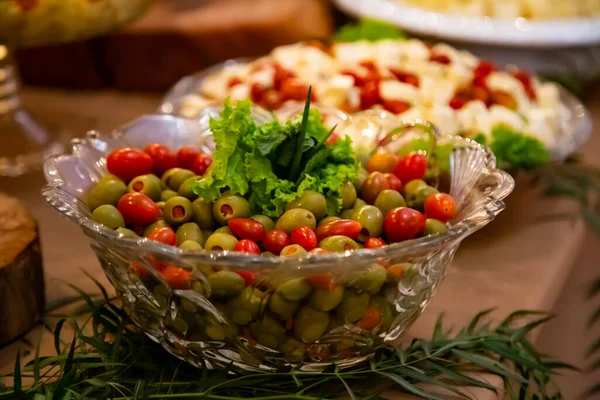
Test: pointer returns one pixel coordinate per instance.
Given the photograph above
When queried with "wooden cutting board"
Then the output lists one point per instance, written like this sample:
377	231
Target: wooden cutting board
177	38
21	274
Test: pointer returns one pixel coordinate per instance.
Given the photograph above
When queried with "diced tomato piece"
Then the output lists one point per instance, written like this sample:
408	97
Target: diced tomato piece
504	99
481	93
369	95
480	81
405	77
370	65
271	100
370	320
257	93
249	276
395	106
331	139
440	59
293	89
358	80
233	81
525	79
322	281
484	69
457	103
281	75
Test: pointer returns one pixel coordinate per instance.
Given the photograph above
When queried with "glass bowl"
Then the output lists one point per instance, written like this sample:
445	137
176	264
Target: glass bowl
257	330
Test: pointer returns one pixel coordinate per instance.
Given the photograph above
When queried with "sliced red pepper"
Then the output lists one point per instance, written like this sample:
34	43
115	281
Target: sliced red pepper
370	320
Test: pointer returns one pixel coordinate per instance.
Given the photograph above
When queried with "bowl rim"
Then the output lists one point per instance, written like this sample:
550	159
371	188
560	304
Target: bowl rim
520	32
575	127
65	203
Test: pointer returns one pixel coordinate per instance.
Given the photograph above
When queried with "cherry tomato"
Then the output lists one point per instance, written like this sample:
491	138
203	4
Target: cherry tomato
163	158
440	59
343	227
248	276
403	223
457	103
247	246
440	206
305	237
247	228
318	250
128	163
176	277
137	208
292	89
322	281
396	106
275	241
393	182
163	235
233	81
410	167
186	156
374	243
375	183
405	77
382	161
369	94
201	163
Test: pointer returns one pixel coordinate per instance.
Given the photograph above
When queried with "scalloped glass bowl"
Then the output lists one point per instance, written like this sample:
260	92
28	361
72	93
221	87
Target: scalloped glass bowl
196	326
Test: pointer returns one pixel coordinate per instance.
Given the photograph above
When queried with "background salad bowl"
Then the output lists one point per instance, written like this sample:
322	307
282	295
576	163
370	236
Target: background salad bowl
194	322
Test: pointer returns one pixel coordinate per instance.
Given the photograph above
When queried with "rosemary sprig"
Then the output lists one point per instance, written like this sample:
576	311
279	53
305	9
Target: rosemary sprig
109	358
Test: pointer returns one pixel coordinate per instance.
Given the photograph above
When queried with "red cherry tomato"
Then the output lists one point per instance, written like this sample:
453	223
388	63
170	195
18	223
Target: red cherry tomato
369	94
403	223
374	243
395	106
137	208
128	163
247	246
186	156
305	237
343	227
248	276
201	163
275	241
318	250
440	206
393	182
410	167
163	235
247	228
440	59
176	277
163	158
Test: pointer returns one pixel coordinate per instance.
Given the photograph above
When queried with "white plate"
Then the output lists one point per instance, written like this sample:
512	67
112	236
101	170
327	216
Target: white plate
519	32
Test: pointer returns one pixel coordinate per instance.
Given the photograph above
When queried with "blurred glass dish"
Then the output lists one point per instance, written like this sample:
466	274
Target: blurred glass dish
24	143
196	325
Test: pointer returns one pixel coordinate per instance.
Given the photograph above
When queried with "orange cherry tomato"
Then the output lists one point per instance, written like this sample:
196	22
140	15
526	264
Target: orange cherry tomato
370	320
128	163
176	277
440	206
382	161
342	227
322	281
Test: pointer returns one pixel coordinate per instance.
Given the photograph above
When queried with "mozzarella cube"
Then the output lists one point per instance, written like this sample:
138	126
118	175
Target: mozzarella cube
335	92
548	95
444	118
240	92
353	53
394	90
500	115
415	49
193	105
412	114
265	77
435	91
543	126
467	116
388	53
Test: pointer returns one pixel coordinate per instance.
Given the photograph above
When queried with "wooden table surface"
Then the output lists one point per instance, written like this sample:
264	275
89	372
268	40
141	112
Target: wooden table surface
517	262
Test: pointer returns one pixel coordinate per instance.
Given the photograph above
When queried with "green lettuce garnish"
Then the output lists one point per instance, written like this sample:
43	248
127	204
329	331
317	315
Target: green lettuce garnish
513	149
368	29
267	164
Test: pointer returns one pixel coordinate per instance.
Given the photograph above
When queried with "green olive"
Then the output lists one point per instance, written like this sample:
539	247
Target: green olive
293	350
109	216
106	192
186	189
268	254
220	241
167	194
268	332
109	177
148	184
346	214
265	221
190	245
369	280
348	195
225	283
178	210
312	201
247	305
127	232
386	311
294	289
161	223
361	177
389	199
412	188
224	229
203	214
371	220
338	244
283	308
161	209
353	306
328	219
174	177
189	231
417	202
325	299
293	250
229	207
310	324
359	203
294	218
434	226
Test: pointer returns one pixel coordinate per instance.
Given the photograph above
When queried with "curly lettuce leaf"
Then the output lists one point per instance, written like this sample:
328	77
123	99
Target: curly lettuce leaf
516	150
369	29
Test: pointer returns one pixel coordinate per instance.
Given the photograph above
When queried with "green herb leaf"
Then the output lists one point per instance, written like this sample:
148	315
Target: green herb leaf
369	29
513	149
